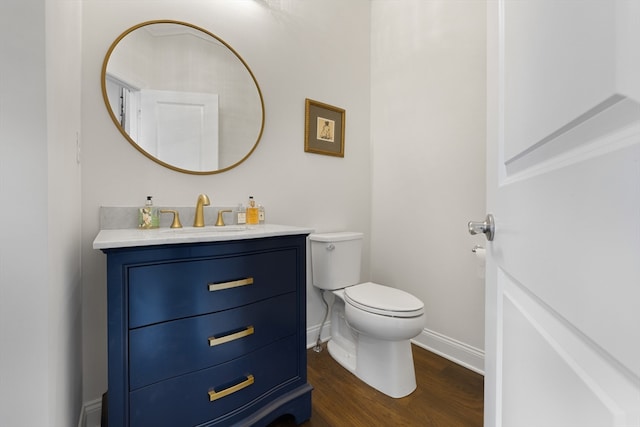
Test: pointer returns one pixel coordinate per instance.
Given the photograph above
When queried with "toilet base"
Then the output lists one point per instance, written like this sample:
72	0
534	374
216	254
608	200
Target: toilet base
386	366
341	355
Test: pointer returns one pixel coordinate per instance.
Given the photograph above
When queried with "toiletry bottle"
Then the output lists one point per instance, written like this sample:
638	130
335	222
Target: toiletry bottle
261	215
148	216
252	212
240	215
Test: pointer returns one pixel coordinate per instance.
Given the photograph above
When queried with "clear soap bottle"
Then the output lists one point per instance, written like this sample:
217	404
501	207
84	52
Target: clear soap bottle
148	215
253	217
240	215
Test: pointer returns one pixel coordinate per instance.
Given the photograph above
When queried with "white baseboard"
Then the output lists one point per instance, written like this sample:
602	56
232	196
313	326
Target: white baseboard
449	348
454	350
91	414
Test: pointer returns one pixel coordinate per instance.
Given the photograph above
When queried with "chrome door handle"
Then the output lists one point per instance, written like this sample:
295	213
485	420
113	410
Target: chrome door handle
487	227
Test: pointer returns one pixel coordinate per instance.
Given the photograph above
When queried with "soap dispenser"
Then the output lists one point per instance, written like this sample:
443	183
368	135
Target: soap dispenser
240	215
253	217
148	215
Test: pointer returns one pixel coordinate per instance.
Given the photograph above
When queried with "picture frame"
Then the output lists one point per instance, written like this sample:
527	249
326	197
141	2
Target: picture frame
324	129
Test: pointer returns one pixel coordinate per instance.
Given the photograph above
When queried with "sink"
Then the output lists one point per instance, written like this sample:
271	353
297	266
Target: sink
204	230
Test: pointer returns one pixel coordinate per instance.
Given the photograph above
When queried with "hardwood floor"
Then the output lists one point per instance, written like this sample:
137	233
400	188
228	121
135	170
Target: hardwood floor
448	395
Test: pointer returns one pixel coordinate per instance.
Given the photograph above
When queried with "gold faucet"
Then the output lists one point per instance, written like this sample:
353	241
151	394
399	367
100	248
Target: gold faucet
176	218
220	221
203	200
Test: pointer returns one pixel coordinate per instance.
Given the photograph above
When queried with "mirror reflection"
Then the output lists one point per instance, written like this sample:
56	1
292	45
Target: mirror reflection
183	97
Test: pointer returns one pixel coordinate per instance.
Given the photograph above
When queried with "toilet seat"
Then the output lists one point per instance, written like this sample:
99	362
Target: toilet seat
383	300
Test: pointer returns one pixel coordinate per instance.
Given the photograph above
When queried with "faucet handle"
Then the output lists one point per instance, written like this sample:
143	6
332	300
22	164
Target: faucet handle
176	218
220	221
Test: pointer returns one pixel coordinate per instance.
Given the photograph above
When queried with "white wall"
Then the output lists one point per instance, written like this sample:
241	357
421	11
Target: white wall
23	180
316	49
63	20
40	348
427	128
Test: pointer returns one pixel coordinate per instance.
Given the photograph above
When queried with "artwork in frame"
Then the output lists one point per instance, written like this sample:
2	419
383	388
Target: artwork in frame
323	129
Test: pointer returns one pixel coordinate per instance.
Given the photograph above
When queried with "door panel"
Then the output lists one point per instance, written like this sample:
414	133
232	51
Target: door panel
180	128
574	241
576	371
563	272
558	66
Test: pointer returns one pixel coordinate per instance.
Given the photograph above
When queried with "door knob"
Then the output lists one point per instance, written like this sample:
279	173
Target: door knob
487	227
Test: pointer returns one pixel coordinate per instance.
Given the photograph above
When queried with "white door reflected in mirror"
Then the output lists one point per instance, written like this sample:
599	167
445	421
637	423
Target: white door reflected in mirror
180	126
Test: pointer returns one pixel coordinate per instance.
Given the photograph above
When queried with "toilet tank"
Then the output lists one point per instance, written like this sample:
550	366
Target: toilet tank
335	259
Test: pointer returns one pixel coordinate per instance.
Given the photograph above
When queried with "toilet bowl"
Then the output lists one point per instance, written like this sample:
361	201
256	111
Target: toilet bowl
371	324
383	312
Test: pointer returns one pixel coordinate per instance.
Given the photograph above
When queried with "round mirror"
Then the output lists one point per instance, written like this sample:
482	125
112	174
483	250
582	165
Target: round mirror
183	97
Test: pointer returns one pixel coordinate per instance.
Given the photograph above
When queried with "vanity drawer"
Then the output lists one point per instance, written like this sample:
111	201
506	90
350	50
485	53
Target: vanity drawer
174	348
174	290
185	400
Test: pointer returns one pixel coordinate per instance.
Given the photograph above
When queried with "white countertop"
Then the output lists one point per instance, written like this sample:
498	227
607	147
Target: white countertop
131	237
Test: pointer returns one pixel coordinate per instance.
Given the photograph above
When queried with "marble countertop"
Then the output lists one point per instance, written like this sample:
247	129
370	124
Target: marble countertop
131	237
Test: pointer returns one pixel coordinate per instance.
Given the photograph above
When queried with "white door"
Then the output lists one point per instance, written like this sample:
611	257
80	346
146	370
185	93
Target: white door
563	270
180	128
123	100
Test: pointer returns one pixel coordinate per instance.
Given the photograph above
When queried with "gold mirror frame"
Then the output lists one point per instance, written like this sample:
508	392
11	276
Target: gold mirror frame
134	143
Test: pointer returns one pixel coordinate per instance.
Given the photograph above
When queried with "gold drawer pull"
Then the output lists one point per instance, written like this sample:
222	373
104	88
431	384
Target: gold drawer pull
232	284
215	395
221	340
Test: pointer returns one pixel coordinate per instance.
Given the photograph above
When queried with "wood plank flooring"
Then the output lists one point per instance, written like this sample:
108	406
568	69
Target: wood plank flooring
448	395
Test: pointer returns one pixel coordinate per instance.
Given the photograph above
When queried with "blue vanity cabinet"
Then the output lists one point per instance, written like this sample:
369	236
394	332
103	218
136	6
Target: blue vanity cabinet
207	334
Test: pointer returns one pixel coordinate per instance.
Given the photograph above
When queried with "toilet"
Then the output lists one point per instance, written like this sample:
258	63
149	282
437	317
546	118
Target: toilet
371	324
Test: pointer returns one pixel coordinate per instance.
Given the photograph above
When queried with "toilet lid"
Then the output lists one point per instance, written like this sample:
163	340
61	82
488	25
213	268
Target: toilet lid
383	300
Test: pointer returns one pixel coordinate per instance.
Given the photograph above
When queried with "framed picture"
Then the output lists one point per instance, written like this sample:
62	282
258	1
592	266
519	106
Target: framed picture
323	129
